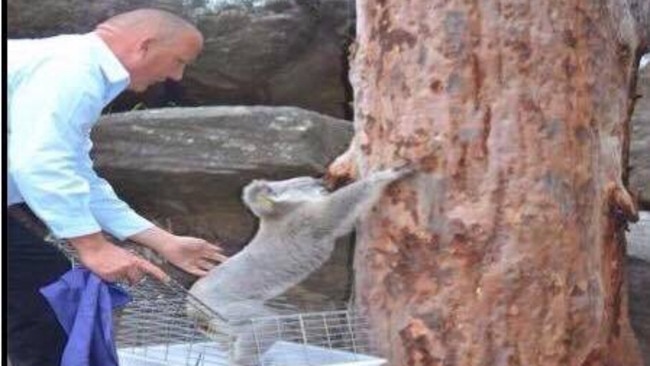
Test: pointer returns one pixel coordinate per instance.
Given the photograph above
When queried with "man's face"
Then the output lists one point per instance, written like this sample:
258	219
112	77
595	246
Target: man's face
164	60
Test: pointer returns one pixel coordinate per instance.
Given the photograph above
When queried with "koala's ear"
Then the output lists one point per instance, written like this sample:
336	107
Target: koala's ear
257	196
265	202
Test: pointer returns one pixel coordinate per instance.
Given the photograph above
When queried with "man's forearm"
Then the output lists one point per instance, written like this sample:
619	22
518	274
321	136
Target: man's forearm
90	242
154	238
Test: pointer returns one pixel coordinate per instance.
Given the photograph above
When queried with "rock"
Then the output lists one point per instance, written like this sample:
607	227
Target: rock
182	161
185	167
639	237
281	52
638	268
271	52
43	18
639	163
638	271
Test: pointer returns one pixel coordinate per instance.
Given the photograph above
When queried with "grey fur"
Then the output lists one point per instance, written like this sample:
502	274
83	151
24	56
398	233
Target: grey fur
299	223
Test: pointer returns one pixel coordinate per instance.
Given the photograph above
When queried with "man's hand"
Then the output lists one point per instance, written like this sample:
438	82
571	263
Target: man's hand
193	255
112	263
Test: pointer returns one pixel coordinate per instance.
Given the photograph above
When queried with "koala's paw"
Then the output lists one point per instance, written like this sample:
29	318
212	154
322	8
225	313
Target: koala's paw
404	170
392	174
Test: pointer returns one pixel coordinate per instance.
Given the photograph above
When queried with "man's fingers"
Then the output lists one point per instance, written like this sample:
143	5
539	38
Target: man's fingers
217	257
216	247
205	264
153	270
198	272
133	275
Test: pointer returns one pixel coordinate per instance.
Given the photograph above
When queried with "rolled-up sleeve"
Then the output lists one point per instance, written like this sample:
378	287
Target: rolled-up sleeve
50	116
113	214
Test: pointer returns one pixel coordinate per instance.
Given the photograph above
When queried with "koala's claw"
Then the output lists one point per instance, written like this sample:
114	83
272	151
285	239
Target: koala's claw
395	173
405	169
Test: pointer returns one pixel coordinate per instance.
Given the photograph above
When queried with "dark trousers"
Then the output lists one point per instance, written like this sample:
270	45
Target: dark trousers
35	337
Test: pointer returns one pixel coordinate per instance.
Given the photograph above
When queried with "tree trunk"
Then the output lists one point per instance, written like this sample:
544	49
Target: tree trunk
507	248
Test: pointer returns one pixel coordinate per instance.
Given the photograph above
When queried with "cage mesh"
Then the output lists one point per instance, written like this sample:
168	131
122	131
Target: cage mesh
154	329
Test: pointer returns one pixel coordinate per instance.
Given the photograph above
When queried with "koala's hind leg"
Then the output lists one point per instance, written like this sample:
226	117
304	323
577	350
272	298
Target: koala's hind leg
254	337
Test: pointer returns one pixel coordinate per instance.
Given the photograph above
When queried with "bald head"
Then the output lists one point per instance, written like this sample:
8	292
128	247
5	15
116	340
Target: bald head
159	23
153	45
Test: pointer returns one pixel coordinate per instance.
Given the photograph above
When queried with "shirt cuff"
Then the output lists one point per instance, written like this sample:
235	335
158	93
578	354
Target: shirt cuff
67	229
128	224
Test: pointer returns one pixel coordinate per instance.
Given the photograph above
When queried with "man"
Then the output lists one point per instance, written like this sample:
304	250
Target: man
57	89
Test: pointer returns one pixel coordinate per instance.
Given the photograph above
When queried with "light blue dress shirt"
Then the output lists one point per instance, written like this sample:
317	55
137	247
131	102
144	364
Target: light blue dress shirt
57	88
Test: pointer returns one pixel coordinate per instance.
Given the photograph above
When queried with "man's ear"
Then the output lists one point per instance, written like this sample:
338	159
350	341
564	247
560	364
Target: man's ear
144	46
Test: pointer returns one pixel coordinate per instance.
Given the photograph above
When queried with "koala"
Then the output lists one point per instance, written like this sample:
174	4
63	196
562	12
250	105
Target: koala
299	222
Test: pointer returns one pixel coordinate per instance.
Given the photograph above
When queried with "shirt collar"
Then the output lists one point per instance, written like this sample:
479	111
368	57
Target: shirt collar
116	75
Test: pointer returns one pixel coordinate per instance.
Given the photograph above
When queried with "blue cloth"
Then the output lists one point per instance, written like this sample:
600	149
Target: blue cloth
83	304
57	88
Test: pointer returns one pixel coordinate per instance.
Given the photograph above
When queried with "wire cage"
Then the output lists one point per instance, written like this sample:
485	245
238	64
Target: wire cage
155	329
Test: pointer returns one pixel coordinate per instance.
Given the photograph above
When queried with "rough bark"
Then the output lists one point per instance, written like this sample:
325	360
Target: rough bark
508	247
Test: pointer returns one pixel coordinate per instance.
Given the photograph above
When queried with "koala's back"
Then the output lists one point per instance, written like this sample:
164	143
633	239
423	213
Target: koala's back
296	236
282	254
